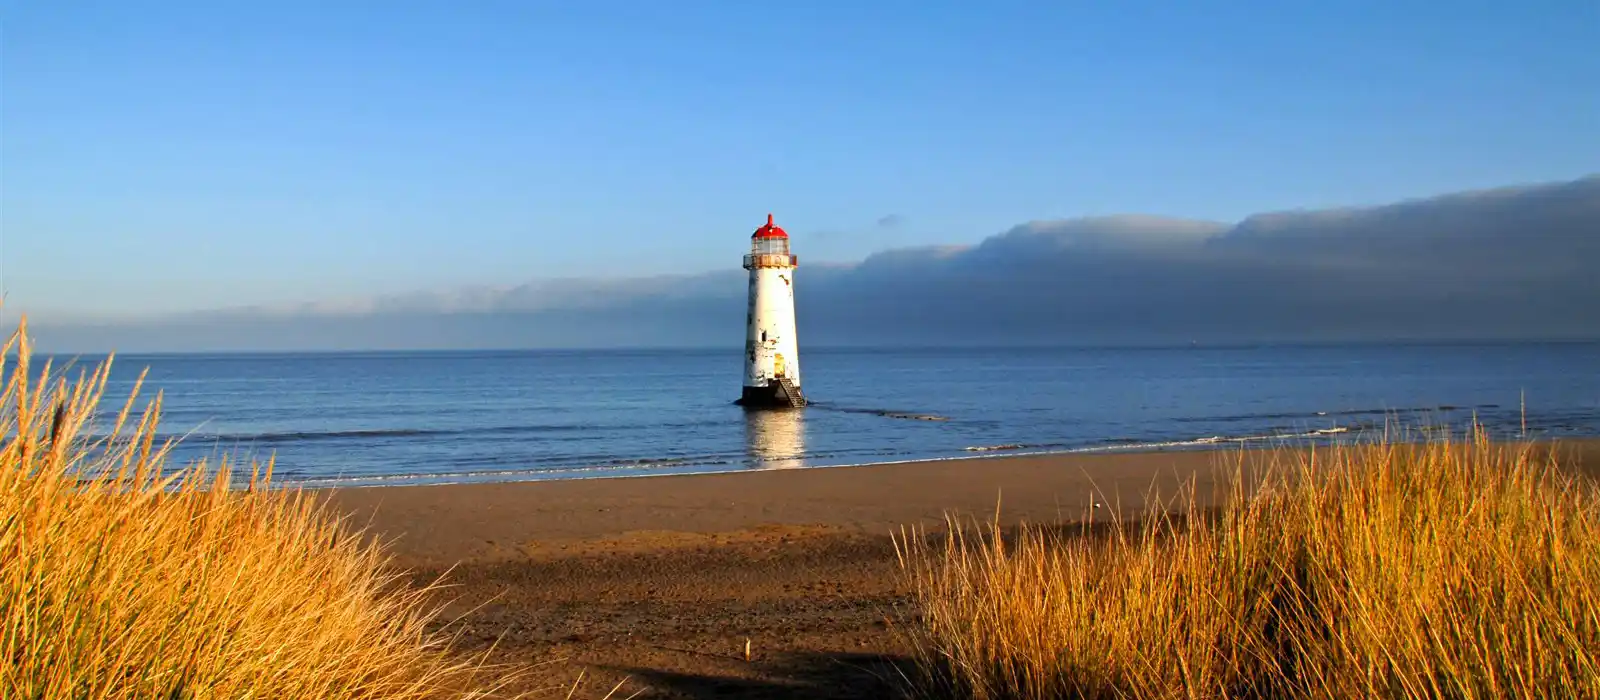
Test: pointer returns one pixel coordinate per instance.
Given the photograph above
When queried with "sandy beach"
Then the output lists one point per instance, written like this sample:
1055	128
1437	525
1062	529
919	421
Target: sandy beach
661	580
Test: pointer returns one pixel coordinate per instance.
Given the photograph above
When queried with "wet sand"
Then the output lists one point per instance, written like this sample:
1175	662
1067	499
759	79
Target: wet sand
659	581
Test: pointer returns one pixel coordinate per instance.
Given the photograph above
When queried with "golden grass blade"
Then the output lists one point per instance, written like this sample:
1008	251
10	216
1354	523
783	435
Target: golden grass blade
123	577
1442	568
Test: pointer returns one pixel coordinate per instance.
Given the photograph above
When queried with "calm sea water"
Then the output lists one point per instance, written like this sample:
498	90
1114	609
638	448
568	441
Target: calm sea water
350	419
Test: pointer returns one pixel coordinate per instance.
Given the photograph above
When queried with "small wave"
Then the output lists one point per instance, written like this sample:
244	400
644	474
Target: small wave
478	475
994	448
282	437
307	435
1243	417
289	436
1043	446
1134	445
483	468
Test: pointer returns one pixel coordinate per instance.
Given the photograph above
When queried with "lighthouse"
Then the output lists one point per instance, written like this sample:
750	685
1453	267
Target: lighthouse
771	352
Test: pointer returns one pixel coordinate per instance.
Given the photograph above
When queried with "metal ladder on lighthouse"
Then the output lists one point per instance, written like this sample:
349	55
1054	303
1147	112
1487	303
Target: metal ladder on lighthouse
791	392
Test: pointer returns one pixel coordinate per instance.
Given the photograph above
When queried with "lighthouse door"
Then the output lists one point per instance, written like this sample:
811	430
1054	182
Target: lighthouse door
777	365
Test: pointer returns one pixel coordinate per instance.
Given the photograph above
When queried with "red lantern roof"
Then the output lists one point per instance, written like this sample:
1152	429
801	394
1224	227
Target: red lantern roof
771	230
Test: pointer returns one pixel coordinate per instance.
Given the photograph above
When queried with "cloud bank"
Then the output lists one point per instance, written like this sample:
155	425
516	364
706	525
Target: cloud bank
1509	263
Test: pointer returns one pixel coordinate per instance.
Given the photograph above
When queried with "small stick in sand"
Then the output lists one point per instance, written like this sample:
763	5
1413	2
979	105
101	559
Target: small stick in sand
746	648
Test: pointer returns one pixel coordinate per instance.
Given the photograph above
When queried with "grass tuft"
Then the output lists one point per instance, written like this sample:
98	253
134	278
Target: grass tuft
1453	568
121	577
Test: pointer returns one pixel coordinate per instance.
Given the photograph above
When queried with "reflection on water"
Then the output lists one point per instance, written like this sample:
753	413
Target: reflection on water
775	439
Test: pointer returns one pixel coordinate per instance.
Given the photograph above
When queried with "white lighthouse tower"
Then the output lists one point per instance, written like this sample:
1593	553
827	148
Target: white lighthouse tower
772	354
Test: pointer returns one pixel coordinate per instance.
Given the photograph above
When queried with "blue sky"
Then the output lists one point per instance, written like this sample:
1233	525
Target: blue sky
170	156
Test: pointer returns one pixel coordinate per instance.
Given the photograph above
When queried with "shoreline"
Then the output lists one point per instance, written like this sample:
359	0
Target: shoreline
1132	449
1215	444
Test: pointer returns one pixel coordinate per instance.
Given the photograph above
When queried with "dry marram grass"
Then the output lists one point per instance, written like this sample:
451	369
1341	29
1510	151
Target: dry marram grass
1445	569
121	578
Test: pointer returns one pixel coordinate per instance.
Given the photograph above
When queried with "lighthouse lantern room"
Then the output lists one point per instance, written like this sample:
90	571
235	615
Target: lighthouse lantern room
772	355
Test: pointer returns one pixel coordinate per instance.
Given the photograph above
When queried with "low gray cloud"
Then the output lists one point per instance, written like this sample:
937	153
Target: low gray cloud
891	221
1516	262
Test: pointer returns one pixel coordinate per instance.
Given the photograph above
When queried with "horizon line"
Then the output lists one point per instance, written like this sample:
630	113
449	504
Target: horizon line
834	347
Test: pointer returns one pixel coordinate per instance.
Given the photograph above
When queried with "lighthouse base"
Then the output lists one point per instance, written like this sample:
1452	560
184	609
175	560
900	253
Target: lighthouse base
771	396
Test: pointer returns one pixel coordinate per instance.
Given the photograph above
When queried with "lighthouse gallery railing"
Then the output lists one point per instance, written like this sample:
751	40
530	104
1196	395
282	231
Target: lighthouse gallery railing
770	260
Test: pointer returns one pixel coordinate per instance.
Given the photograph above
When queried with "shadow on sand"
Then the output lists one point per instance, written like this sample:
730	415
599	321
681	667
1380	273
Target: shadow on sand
786	677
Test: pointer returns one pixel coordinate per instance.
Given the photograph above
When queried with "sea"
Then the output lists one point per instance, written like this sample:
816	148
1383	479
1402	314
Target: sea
396	418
